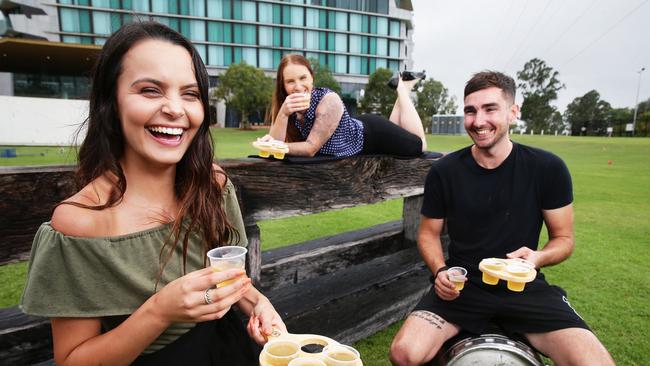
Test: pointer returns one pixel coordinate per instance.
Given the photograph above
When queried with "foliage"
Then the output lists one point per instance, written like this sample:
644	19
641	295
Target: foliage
323	76
245	88
588	114
642	127
618	118
433	98
378	97
539	85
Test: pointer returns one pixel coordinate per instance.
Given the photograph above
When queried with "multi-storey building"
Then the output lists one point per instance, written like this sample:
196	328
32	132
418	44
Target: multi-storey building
351	37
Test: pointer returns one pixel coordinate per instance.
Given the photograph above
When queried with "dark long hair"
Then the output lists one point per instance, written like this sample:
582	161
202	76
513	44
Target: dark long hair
196	186
280	94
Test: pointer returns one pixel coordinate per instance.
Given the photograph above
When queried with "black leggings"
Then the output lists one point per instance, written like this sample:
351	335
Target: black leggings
381	136
223	342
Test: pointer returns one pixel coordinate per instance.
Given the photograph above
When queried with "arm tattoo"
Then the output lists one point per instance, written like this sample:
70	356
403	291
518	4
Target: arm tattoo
328	116
429	317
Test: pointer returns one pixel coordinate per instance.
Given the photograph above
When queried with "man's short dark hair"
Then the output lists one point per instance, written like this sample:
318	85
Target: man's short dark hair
489	79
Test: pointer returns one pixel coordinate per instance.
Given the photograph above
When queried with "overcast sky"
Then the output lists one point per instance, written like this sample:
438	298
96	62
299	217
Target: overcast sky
594	44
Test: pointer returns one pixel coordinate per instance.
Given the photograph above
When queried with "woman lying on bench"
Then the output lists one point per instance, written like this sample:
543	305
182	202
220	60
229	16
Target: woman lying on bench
315	121
120	269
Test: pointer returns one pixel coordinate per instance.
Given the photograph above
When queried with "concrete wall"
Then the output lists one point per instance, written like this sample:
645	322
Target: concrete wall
40	121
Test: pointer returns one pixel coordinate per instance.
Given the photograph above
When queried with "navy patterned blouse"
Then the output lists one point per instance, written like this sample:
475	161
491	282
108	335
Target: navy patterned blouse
347	139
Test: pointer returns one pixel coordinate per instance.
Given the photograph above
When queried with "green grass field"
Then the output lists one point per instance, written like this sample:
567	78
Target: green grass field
606	278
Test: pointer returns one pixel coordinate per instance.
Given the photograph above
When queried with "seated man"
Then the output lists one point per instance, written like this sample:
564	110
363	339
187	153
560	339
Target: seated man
494	196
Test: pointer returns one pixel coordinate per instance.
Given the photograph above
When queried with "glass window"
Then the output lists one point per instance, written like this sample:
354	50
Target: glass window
277	15
248	36
372	65
140	5
331	42
286	14
237	10
215	55
341	42
382	47
331	19
70	20
165	6
297	16
237	33
394	28
356	23
197	30
236	55
373	25
227	56
249	55
355	65
311	55
277	37
200	48
312	18
96	3
266	12
101	22
382	26
355	43
364	44
322	40
381	62
100	41
341	21
341	65
322	19
364	66
249	11
286	37
297	38
373	46
277	57
311	40
393	65
394	49
71	39
196	8
215	32
266	58
216	10
265	35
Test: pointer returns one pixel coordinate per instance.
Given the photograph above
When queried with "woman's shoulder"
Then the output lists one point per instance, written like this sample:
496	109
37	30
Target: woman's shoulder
73	217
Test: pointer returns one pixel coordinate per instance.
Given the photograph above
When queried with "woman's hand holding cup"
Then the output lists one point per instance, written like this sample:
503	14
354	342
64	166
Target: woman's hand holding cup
296	102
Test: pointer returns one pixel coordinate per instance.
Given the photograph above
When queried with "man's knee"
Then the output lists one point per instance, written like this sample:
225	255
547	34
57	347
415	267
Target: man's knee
404	354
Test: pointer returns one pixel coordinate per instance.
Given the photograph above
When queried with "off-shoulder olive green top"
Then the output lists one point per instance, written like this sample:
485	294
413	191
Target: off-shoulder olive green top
110	277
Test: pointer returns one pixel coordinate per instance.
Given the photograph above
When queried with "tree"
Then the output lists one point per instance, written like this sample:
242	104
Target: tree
539	85
642	124
588	114
557	123
433	98
245	88
618	118
378	97
323	76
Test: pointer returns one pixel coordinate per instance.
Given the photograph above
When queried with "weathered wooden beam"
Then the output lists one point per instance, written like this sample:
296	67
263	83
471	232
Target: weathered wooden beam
294	264
411	216
24	339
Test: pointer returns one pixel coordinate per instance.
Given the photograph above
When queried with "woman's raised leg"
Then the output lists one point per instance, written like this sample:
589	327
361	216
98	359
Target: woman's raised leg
404	113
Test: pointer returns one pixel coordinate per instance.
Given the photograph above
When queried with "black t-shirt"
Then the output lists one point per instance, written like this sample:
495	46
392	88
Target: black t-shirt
491	212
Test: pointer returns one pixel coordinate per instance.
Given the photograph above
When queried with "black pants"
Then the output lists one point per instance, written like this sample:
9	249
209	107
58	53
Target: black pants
381	136
222	342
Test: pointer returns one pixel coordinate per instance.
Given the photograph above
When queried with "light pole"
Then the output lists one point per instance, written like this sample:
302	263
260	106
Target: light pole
636	104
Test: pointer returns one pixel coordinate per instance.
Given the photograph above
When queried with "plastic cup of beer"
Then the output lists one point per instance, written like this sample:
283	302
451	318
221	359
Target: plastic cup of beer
457	275
518	270
492	264
305	99
280	352
340	355
225	258
307	361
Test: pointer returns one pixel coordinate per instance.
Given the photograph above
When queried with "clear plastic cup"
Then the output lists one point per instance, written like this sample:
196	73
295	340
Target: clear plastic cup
494	265
280	352
518	270
457	275
340	355
225	258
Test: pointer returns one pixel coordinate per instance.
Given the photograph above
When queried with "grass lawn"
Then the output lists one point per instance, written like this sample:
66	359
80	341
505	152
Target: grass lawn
606	278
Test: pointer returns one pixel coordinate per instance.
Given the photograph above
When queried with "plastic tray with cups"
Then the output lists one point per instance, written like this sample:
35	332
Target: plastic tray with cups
516	271
274	148
286	349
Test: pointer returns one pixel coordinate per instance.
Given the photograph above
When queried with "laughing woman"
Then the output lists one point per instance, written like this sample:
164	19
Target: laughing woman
119	269
315	121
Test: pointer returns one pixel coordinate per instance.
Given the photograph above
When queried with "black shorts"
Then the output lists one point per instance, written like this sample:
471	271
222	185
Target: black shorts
539	308
381	136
